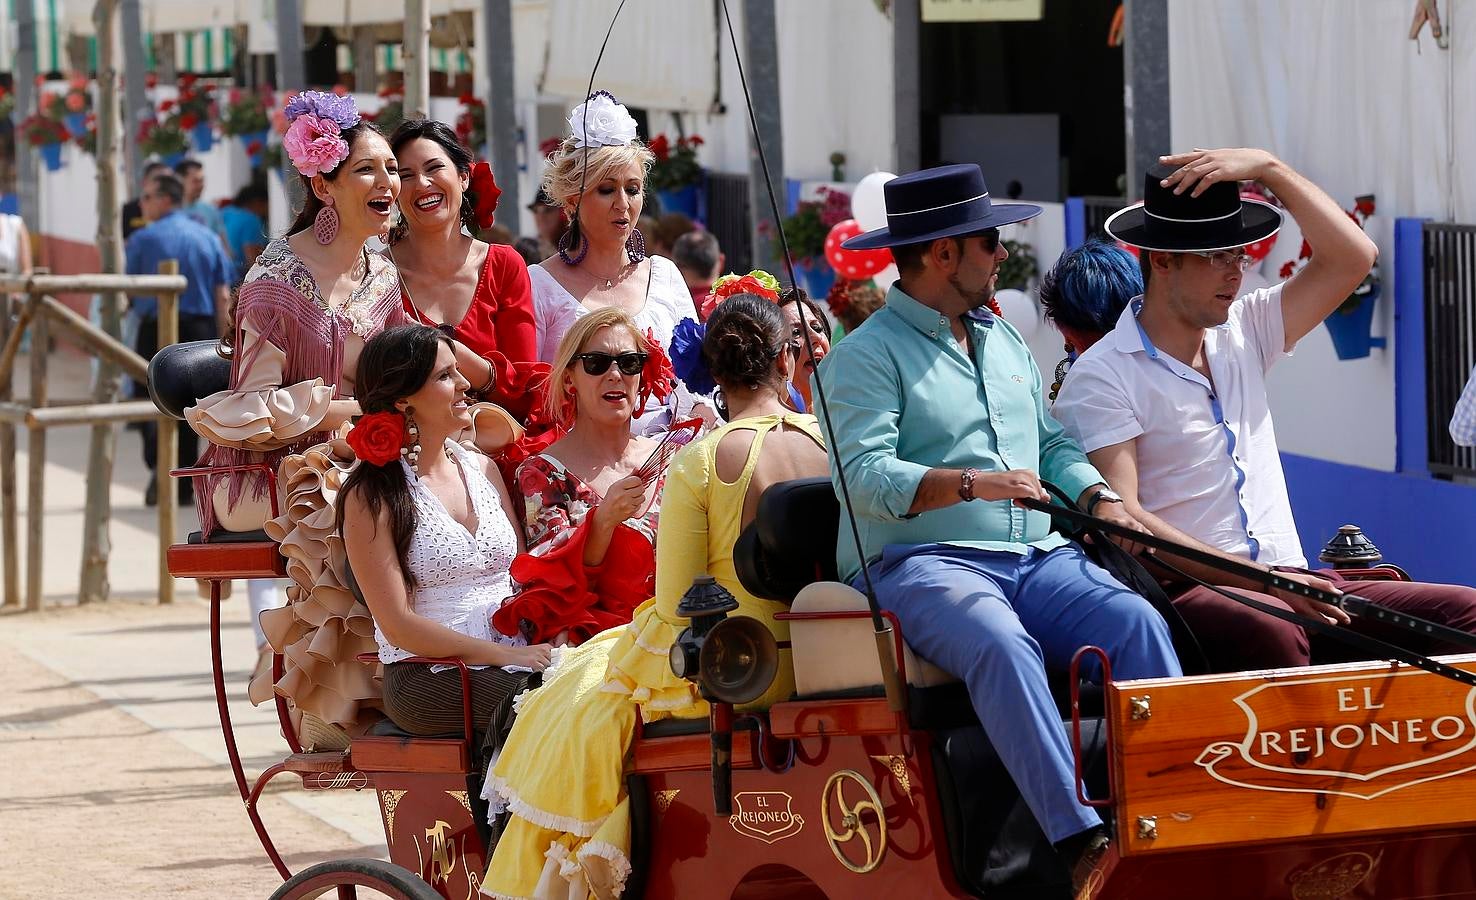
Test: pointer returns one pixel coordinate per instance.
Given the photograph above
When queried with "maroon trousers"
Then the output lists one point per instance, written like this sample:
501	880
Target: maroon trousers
1235	637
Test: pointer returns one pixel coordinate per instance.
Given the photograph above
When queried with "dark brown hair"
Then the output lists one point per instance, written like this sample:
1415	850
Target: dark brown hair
461	158
393	365
745	336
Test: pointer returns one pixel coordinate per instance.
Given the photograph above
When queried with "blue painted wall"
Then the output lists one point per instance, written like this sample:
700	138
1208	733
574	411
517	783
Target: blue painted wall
1425	525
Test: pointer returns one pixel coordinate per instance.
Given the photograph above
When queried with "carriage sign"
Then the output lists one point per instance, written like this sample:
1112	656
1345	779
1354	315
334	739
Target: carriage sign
765	815
1358	737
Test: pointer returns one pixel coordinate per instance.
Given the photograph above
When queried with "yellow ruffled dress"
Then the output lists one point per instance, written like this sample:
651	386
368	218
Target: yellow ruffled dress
561	772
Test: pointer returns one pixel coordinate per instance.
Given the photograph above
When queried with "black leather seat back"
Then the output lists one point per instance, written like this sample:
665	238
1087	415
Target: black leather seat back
791	541
180	374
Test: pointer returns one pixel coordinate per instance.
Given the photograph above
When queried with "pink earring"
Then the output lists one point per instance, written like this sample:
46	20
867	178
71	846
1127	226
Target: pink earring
325	225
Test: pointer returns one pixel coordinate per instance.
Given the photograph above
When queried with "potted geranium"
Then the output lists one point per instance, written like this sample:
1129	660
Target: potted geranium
245	118
87	140
676	173
392	112
70	107
47	135
806	231
165	139
471	124
197	111
1351	324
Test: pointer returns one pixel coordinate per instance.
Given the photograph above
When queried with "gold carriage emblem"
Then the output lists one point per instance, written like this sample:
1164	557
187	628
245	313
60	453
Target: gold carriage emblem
442	852
851	822
765	815
664	798
1336	876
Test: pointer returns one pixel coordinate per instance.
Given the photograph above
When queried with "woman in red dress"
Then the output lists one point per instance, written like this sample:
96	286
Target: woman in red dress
478	293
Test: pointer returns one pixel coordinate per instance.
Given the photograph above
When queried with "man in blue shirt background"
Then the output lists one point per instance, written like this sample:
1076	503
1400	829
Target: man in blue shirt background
936	402
203	307
245	228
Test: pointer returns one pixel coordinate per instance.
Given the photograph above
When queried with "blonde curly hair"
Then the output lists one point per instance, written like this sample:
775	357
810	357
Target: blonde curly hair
561	180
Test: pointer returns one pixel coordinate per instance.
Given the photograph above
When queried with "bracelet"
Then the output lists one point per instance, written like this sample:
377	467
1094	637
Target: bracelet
491	377
966	484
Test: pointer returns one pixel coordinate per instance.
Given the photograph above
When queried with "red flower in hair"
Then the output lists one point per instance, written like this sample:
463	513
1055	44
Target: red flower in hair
657	378
377	438
485	191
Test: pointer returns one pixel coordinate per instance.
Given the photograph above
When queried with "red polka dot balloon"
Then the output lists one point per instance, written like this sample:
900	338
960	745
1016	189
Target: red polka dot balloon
853	264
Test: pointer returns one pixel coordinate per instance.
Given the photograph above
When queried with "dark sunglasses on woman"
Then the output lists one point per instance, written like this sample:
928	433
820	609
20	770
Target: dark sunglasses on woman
599	363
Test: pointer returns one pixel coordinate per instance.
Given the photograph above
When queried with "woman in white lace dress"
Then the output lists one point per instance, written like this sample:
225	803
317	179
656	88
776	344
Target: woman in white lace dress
430	534
598	177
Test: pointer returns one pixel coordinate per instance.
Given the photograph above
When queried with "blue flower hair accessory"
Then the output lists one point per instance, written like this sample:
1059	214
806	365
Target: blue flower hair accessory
324	105
686	357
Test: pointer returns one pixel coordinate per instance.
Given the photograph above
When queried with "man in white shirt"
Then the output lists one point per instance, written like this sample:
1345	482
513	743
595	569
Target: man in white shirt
1171	404
1463	420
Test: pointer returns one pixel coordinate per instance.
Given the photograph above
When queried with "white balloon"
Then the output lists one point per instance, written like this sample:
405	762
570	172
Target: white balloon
885	277
869	202
1019	310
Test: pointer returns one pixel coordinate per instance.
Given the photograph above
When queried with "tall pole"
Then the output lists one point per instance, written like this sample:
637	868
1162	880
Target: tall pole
96	545
135	99
27	180
761	65
1145	79
415	55
291	76
906	85
502	119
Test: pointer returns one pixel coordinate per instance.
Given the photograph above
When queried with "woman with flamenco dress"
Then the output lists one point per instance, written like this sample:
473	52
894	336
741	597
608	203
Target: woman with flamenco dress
560	774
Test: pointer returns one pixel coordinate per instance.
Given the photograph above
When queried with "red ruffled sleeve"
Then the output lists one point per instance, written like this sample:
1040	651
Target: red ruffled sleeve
560	593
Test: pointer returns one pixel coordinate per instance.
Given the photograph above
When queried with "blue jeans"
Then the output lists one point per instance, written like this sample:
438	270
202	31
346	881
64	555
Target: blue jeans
997	620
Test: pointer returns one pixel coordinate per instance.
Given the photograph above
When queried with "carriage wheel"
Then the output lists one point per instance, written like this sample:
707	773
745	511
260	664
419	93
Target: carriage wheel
375	877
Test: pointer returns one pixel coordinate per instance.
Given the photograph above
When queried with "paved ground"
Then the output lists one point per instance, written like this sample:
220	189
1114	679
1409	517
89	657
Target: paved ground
113	774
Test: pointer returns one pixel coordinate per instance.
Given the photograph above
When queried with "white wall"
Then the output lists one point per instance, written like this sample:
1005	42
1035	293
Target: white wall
1336	89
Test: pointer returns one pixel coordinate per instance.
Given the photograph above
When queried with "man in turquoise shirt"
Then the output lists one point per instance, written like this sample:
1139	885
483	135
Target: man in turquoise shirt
936	403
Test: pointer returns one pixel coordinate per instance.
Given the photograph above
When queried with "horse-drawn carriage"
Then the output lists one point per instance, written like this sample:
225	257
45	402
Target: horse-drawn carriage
1333	781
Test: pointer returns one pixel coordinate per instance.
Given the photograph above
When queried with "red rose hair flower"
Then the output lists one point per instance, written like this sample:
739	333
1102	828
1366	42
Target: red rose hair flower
484	194
378	437
657	378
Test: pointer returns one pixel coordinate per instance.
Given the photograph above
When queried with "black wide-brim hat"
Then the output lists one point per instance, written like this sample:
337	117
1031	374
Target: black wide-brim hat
1218	219
948	201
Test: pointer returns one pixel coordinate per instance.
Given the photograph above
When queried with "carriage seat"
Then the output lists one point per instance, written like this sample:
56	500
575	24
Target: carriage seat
788	553
180	374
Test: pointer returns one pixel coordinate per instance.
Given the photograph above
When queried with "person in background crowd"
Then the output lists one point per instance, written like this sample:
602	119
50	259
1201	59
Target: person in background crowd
1083	295
668	229
600	176
132	215
1463	421
801	312
699	258
530	250
550	221
15	245
1172	407
853	302
939	424
192	173
203	306
245	223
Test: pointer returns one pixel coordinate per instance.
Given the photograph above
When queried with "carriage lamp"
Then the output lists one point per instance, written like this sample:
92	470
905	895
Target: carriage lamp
706	603
1350	548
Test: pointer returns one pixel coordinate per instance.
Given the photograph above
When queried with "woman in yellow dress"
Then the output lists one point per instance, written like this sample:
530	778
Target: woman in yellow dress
561	772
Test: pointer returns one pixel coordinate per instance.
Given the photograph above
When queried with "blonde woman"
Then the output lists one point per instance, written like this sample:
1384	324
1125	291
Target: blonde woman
598	177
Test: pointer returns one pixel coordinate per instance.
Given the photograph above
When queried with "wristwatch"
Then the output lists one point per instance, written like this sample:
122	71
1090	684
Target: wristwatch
966	484
1103	495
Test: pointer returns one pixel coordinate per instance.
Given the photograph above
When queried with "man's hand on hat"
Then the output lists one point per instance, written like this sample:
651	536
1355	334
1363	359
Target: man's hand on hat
1201	168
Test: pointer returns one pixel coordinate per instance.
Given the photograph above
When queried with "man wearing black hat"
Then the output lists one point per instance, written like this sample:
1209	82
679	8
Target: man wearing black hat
1171	405
939	423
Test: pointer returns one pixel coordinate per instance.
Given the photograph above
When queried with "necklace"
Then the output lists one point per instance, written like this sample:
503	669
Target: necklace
611	279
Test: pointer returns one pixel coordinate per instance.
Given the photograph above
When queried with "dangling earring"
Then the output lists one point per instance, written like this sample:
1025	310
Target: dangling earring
635	246
325	224
412	452
564	243
1062	368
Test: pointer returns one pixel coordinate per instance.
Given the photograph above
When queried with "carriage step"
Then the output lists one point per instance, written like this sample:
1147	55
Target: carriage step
329	762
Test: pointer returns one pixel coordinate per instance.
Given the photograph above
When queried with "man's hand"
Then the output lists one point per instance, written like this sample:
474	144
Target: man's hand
1118	515
1315	609
1012	485
1202	168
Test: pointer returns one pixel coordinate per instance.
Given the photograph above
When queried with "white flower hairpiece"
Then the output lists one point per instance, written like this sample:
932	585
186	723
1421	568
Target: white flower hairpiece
605	123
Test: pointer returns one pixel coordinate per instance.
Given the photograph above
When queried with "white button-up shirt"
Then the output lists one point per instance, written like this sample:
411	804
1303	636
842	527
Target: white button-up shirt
1206	449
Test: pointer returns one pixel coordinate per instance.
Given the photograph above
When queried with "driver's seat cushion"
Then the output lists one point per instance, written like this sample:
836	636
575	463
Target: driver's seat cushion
838	656
181	374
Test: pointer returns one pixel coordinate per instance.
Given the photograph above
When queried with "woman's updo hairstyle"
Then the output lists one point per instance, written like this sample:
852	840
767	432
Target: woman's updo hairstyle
563	179
461	157
394	364
311	204
745	336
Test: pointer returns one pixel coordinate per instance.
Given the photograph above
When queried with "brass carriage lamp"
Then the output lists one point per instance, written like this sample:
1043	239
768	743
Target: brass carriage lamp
1350	548
732	660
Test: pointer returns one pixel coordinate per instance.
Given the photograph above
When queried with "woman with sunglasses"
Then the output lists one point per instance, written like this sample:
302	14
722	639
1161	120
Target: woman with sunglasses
589	509
560	771
598	177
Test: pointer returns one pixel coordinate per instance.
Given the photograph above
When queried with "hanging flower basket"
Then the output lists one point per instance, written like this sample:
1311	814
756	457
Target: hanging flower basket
684	200
1351	324
255	143
51	155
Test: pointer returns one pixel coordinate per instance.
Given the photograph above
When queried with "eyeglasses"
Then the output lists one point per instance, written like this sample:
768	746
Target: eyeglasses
1224	259
630	363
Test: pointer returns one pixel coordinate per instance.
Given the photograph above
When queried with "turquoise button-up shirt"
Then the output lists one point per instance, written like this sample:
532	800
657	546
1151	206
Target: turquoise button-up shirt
905	397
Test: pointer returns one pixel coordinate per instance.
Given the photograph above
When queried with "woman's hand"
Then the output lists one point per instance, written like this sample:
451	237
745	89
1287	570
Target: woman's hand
622	500
535	657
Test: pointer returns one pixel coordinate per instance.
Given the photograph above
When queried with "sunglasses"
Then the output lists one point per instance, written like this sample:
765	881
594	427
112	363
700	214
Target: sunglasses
630	363
990	236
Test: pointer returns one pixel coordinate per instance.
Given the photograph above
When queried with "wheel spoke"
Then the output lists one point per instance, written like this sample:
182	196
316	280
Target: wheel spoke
347	892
